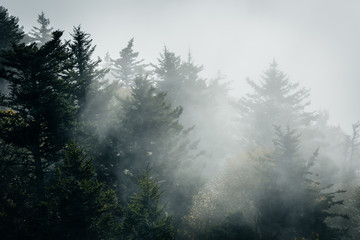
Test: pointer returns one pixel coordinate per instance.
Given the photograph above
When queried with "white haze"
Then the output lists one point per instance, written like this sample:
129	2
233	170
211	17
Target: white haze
317	43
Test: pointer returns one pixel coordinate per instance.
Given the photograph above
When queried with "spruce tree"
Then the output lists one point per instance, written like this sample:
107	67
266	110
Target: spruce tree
144	218
169	74
10	30
11	33
41	34
127	67
274	101
79	206
86	74
289	201
39	96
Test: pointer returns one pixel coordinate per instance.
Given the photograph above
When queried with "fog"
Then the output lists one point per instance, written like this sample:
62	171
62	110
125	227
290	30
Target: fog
180	120
315	42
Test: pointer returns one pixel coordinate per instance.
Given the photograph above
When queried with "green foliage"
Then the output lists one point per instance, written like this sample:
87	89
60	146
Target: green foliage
11	33
79	206
16	206
39	95
9	28
144	218
85	74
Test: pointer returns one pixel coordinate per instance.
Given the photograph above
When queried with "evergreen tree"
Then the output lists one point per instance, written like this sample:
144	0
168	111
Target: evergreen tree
150	131
79	206
39	96
86	74
144	218
10	30
275	101
170	80
128	67
10	33
199	99
15	205
290	203
41	34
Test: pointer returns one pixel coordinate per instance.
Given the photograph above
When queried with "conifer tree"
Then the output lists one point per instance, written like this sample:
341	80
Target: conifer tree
144	218
10	30
170	79
79	206
290	203
128	67
39	96
86	74
274	101
10	33
150	131
42	33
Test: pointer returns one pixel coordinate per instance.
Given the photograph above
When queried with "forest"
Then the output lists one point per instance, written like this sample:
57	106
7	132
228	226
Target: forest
120	148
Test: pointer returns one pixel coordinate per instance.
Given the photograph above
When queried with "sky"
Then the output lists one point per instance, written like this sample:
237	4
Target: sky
315	42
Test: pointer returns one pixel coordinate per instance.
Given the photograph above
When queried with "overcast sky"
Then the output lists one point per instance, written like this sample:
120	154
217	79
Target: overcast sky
315	42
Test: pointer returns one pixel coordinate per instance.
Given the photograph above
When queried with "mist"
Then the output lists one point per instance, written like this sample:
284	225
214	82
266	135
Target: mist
191	120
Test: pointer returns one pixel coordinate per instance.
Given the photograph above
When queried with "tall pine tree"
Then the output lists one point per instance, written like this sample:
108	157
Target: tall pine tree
274	101
40	99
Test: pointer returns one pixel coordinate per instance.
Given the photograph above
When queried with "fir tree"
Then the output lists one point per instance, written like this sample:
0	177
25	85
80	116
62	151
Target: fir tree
275	101
79	206
39	96
86	74
144	218
10	30
290	203
41	34
11	33
170	79
128	67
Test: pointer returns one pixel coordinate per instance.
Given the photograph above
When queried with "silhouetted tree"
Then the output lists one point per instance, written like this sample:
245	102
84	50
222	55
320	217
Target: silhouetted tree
10	30
39	96
128	67
11	33
86	74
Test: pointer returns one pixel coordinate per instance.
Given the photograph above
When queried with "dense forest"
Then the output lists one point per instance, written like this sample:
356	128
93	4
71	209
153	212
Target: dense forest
124	149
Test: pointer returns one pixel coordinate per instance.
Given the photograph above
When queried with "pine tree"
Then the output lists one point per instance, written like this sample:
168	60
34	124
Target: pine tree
79	206
10	30
10	33
290	203
144	218
275	101
41	34
169	73
86	74
149	123
128	67
39	96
